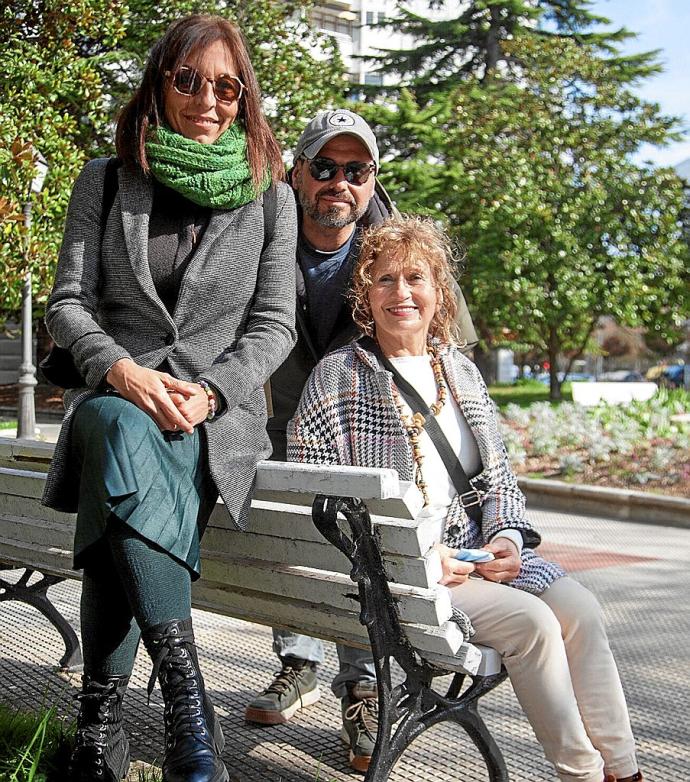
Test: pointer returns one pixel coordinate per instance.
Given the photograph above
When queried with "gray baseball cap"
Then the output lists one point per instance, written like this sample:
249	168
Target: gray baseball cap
329	124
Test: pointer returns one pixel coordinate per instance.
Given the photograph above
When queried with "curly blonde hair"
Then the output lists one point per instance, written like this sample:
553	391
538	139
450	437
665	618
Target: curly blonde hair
409	239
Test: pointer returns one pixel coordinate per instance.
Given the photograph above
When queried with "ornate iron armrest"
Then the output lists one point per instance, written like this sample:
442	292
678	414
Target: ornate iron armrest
413	706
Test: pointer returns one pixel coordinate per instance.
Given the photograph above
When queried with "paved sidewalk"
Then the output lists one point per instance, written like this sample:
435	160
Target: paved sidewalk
640	573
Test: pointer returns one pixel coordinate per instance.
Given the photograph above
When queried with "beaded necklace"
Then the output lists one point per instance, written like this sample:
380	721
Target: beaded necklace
414	424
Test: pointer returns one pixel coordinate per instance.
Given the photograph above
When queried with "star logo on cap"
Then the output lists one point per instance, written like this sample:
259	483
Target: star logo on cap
341	120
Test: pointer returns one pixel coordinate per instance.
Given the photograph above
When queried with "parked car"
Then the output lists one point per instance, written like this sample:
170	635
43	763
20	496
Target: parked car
673	376
574	377
621	376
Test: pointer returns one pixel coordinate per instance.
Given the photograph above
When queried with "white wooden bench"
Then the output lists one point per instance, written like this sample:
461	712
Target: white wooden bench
285	573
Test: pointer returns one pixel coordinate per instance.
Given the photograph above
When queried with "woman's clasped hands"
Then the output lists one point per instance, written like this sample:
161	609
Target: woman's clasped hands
175	405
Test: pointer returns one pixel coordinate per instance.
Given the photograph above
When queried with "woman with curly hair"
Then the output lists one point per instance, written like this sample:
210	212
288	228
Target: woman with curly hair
405	397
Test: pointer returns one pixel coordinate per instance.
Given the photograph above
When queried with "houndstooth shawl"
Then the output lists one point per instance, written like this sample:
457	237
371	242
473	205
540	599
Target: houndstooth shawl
347	415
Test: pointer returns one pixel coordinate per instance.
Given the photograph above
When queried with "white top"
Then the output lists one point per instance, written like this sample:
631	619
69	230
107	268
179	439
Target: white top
417	370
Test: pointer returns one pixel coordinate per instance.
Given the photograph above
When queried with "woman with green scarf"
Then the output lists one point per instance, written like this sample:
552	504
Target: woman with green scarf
174	294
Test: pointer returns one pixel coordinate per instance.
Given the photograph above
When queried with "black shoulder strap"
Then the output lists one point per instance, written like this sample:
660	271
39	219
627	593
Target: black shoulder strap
110	186
270	207
469	497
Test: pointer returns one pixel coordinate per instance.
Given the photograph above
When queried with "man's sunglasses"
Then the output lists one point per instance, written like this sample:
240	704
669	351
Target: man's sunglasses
188	81
323	169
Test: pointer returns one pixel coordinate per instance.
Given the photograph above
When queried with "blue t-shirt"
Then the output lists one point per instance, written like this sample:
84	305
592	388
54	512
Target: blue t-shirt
326	279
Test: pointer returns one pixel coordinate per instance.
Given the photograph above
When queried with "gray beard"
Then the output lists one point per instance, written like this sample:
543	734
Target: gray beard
333	216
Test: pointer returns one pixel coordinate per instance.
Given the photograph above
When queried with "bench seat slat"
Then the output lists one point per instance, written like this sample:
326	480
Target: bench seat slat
415	571
52	560
30	508
22	482
415	604
364	482
405	507
41	532
285	520
326	622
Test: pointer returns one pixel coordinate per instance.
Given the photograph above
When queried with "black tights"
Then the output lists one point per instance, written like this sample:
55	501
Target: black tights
129	584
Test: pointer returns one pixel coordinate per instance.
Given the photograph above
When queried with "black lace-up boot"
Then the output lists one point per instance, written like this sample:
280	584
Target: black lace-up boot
193	738
101	749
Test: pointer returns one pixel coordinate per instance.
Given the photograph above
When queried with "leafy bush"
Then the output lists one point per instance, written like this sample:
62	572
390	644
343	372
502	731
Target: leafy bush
572	437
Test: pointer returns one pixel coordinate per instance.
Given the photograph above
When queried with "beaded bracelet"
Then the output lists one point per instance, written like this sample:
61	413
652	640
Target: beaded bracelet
212	404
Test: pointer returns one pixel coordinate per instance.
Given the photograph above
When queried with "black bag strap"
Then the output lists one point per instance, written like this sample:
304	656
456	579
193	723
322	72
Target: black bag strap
110	187
470	498
270	207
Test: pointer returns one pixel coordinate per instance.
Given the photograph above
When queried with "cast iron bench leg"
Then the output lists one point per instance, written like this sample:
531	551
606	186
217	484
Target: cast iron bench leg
406	711
36	595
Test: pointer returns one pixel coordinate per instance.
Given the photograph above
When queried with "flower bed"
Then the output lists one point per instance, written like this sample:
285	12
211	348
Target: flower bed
641	445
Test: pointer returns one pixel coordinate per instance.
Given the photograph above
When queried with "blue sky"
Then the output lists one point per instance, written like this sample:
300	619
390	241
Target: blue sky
660	24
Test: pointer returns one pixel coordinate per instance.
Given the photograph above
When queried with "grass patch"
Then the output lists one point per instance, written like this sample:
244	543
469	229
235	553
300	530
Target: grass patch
36	747
8	424
33	747
525	393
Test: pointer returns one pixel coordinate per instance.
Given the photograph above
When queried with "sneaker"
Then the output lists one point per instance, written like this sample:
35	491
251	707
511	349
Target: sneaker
360	723
293	688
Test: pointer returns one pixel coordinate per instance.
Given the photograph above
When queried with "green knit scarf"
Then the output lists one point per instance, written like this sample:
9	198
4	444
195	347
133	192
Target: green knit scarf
215	175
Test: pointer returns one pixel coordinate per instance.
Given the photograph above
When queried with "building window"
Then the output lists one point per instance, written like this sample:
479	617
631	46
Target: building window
375	79
374	17
331	21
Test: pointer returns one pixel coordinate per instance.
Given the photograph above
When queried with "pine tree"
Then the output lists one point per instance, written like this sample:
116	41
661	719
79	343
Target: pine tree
468	44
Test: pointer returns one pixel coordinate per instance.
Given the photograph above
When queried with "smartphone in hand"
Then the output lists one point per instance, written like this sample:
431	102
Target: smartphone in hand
475	555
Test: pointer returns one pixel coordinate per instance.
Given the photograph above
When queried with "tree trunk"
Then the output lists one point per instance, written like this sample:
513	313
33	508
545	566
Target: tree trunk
493	46
554	382
485	364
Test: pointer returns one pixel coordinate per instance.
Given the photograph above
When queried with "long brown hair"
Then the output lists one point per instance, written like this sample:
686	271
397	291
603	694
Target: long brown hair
146	108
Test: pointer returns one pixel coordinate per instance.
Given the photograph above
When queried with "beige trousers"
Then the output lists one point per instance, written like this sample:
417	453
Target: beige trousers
557	655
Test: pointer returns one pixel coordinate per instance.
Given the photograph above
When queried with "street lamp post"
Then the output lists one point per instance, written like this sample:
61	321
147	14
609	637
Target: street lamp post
26	408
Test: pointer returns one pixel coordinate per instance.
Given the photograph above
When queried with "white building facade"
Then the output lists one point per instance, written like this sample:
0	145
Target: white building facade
351	22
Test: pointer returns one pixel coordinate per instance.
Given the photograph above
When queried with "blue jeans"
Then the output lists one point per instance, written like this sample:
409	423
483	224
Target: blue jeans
356	665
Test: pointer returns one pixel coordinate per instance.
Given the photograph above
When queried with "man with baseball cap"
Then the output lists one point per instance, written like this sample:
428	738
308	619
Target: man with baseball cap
334	178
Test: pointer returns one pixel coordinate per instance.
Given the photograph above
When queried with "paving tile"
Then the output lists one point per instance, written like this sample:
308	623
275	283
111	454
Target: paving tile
639	572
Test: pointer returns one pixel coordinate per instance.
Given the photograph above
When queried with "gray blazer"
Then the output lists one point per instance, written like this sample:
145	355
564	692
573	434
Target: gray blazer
233	324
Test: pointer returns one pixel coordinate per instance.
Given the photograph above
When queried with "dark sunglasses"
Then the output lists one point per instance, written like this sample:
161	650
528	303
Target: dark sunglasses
188	81
323	169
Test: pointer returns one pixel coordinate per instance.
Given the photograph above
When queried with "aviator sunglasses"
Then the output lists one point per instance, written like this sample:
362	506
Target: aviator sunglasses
188	81
323	169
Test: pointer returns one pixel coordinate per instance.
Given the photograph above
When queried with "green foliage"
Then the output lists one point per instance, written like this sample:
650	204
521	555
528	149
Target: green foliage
69	65
535	178
33	747
51	101
524	393
638	443
295	84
